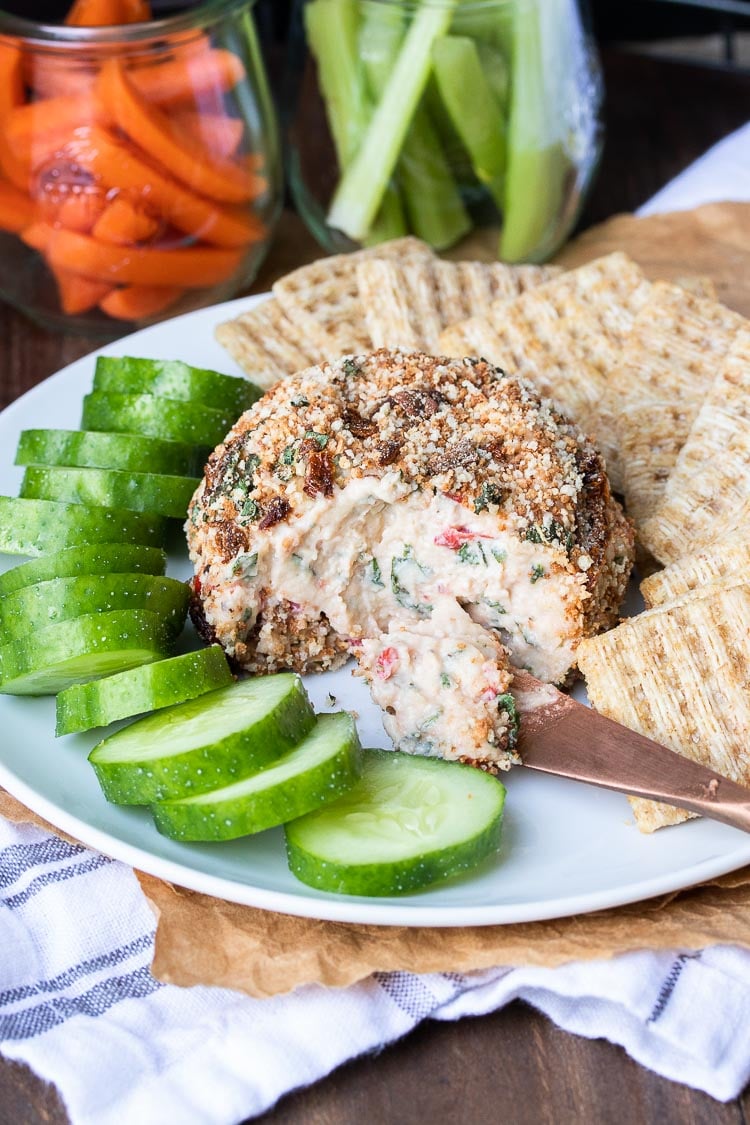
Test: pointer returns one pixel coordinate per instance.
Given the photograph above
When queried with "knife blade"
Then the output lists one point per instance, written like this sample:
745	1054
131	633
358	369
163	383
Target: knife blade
560	736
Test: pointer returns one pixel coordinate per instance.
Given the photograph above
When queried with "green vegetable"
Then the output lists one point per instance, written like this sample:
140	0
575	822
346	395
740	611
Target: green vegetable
148	688
321	768
406	574
94	449
60	599
35	527
155	493
105	558
475	111
363	185
332	32
536	164
171	378
167	418
205	744
71	652
431	198
537	572
407	823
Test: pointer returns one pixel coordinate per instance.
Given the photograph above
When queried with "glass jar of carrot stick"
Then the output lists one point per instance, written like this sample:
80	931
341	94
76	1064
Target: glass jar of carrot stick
139	161
441	116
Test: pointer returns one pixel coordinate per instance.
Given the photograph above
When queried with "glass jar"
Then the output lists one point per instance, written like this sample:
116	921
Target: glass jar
139	166
435	117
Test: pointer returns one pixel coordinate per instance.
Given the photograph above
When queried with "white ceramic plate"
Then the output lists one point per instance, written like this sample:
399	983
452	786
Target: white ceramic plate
567	848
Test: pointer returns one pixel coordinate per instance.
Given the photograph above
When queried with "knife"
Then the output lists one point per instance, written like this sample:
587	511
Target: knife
560	736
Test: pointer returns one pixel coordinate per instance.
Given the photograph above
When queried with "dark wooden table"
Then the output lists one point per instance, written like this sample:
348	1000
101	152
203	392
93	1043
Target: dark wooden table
513	1066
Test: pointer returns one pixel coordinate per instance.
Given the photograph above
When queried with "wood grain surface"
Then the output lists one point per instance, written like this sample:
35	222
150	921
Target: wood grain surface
514	1066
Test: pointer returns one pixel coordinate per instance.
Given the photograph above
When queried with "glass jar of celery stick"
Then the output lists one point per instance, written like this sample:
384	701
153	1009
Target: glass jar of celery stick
436	117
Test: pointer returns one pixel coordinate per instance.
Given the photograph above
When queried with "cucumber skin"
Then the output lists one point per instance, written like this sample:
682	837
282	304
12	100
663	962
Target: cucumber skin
152	493
39	527
165	418
88	635
169	378
395	877
207	767
148	688
180	820
97	449
28	609
72	562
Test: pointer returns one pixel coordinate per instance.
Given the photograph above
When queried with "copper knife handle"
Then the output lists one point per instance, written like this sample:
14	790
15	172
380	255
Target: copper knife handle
560	736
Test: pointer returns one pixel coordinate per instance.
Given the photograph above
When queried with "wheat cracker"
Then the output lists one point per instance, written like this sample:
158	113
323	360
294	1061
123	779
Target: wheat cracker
265	343
708	492
322	298
728	557
408	304
680	674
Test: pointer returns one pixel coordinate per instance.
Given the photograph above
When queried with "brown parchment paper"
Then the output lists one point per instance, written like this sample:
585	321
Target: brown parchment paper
203	940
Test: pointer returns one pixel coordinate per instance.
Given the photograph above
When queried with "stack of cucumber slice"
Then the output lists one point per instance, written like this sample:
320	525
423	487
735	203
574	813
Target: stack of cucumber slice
93	619
95	504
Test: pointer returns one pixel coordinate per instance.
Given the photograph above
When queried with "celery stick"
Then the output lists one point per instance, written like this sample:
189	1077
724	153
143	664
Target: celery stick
332	33
431	198
432	201
537	166
364	182
473	107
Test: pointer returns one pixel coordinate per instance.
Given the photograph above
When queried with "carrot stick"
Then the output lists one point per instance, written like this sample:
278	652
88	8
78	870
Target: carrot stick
80	211
50	76
58	115
194	267
218	134
11	95
149	128
106	13
123	224
38	236
136	302
16	209
182	81
78	294
120	167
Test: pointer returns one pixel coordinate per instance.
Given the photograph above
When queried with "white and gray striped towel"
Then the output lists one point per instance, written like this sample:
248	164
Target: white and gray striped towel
80	1007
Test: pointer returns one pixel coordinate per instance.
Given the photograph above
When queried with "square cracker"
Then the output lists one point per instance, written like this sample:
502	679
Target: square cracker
708	492
566	336
408	304
322	299
680	675
668	364
728	557
266	344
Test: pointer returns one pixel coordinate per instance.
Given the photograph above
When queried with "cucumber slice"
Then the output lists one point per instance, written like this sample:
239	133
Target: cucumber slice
407	823
154	493
205	743
61	599
71	652
95	449
157	417
37	527
104	558
171	378
321	768
148	688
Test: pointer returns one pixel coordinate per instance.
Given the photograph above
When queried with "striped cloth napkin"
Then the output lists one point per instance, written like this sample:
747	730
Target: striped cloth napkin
80	1007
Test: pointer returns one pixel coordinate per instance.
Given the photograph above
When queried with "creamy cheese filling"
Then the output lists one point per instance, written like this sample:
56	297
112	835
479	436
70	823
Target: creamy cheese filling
381	555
